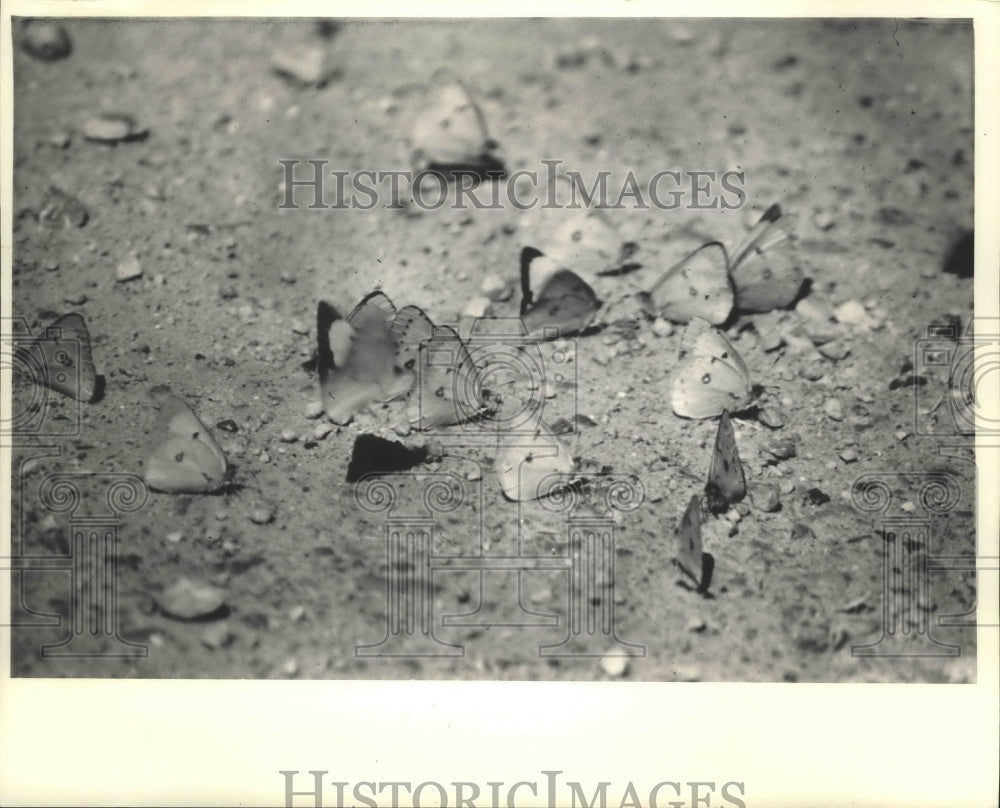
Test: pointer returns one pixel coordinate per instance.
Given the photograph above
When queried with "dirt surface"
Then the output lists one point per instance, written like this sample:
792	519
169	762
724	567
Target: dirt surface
862	129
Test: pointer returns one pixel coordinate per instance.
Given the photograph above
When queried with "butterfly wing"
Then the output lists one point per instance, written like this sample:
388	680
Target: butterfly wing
61	358
726	482
356	357
448	388
450	131
530	466
588	242
765	271
688	555
698	286
185	457
712	377
555	302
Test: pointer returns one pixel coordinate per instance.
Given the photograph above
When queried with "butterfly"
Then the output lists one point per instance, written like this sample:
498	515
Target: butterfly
695	563
185	458
448	386
449	133
356	357
532	465
555	301
726	482
713	376
698	286
587	240
765	271
60	357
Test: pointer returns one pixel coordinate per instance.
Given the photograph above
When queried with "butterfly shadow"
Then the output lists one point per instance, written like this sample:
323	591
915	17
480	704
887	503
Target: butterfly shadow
707	568
99	386
484	168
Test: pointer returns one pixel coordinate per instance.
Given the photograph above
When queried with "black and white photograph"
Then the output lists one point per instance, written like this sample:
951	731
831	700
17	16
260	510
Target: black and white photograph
613	350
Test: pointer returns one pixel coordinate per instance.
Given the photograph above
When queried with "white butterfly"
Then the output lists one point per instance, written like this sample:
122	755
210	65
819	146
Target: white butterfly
579	237
60	357
698	286
185	458
555	301
449	132
765	270
530	466
448	387
726	482
688	553
712	377
357	357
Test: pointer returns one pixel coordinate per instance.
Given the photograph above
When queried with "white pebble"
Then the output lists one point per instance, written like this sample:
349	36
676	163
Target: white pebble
834	409
662	328
314	410
128	270
477	307
288	436
614	666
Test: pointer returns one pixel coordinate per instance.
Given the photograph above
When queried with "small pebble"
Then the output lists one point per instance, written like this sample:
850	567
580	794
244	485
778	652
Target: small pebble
297	614
908	507
848	455
59	209
262	515
128	270
901	434
112	128
298	327
474	474
614	666
770	415
853	312
765	498
216	636
662	328
477	307
834	409
496	288
187	599
695	624
175	536
835	350
811	309
771	342
77	299
782	448
314	410
60	140
823	220
305	65
802	531
45	40
49	265
322	430
811	371
288	436
290	668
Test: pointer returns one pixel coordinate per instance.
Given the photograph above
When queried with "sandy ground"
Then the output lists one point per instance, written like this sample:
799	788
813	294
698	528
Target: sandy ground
864	130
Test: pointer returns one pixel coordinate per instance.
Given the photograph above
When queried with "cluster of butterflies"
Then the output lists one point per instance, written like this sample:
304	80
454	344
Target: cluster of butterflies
378	353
